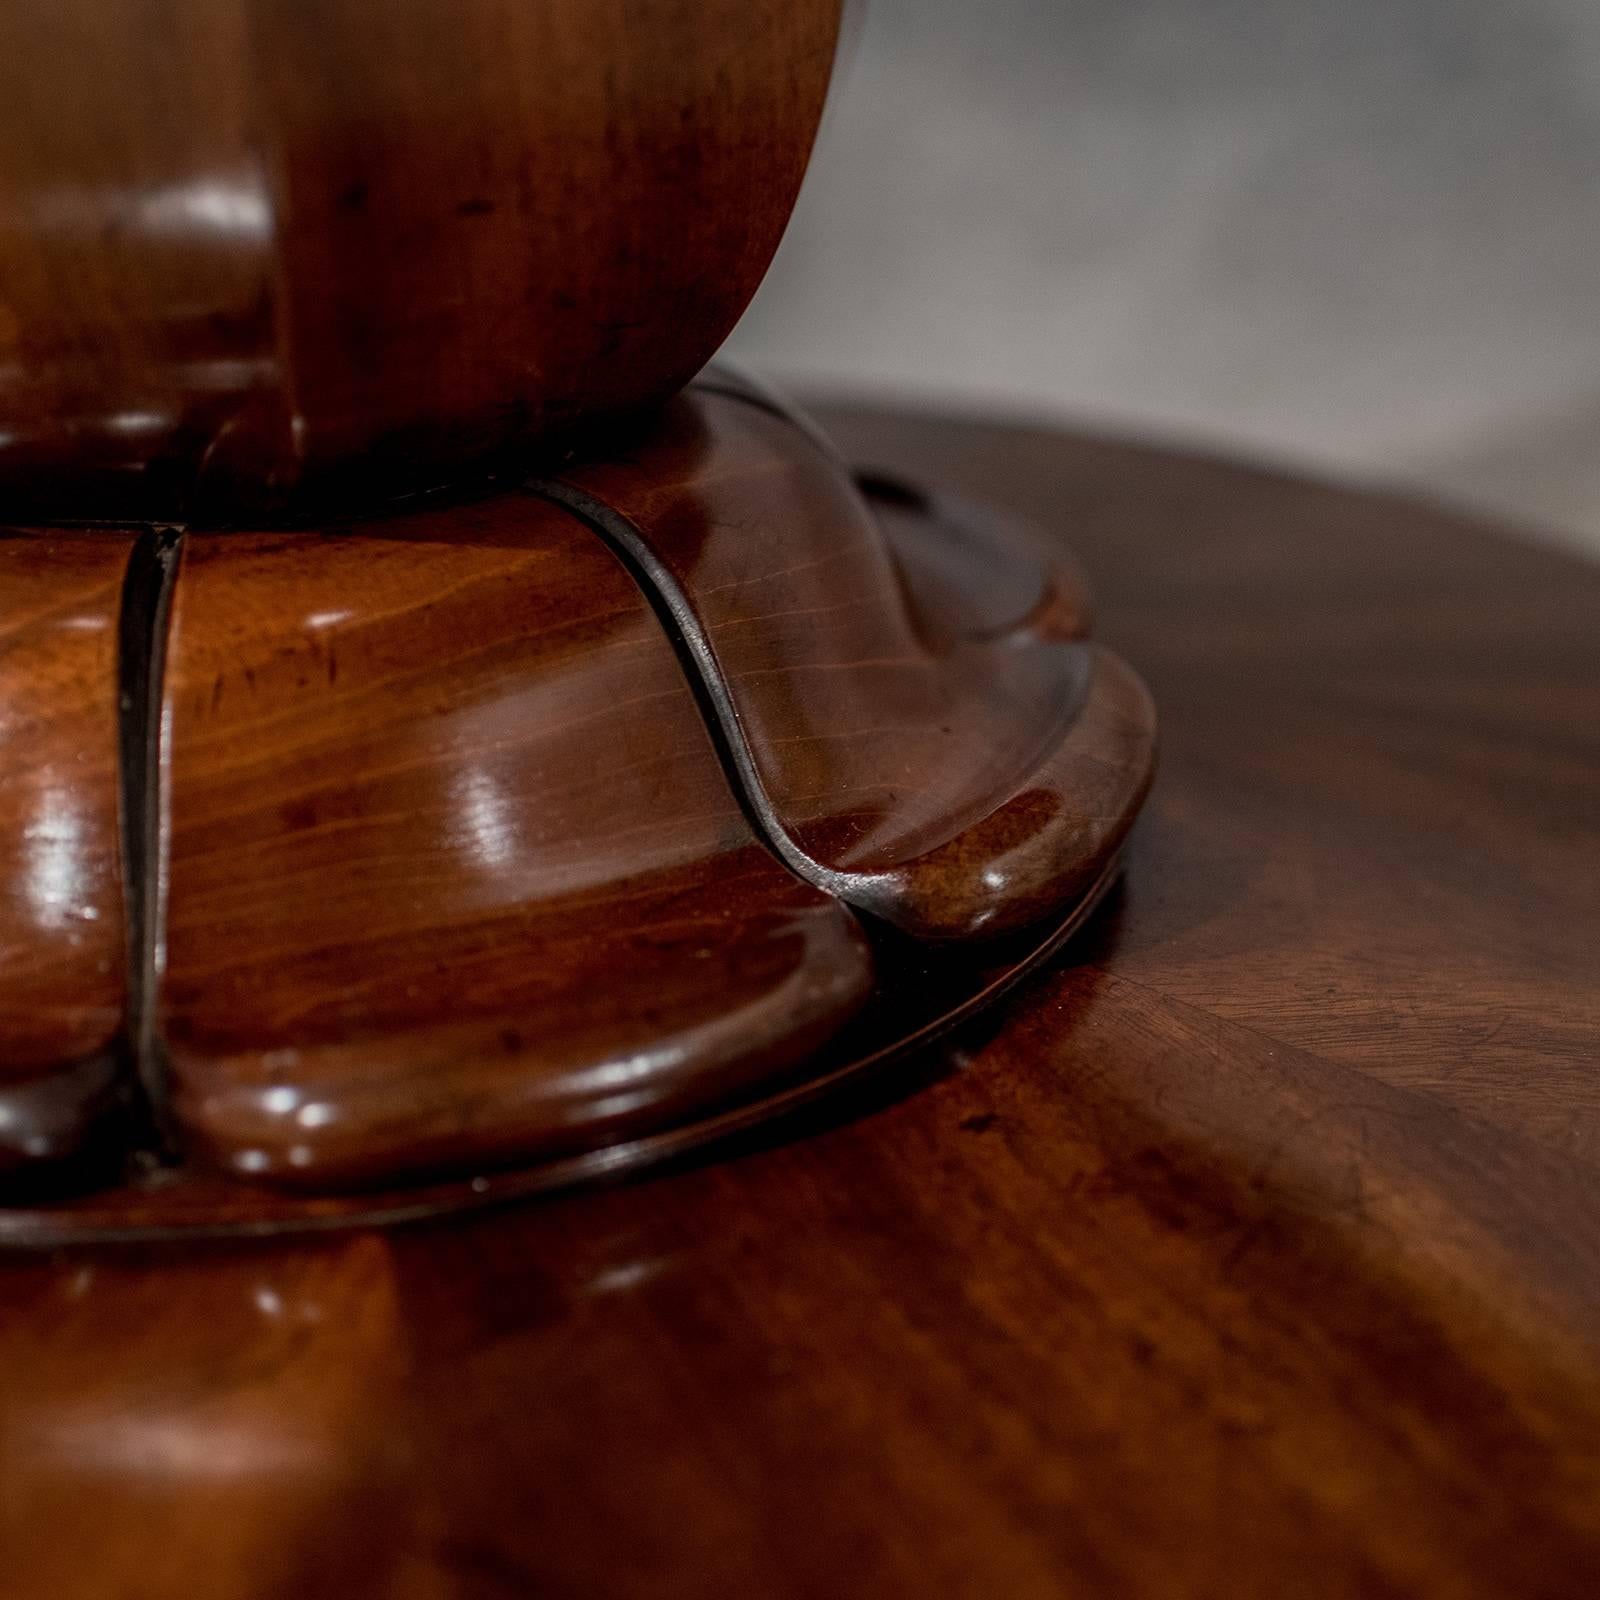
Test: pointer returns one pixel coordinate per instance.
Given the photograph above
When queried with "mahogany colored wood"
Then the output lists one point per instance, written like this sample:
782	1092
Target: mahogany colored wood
261	248
454	875
955	765
438	871
63	964
919	994
1253	1251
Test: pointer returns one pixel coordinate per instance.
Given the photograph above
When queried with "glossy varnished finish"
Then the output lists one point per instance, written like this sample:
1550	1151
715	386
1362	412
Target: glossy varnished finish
260	248
63	965
920	995
1253	1251
912	703
453	873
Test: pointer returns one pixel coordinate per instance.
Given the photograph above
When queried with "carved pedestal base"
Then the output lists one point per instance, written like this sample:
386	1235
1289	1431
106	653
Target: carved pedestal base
490	844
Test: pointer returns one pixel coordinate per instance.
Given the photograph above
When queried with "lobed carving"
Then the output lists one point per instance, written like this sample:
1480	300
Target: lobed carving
516	832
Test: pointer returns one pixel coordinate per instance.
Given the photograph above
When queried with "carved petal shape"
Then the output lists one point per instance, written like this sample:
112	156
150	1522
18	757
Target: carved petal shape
63	967
454	873
915	718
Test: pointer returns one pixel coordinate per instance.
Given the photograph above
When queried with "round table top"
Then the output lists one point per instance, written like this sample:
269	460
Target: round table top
1253	1248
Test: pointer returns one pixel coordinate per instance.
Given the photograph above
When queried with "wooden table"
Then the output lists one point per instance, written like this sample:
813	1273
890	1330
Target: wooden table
1252	1250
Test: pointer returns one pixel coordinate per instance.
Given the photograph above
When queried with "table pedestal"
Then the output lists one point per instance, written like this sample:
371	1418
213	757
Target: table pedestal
505	838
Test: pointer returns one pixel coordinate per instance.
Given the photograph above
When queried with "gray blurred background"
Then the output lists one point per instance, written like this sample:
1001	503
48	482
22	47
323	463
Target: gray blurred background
1361	236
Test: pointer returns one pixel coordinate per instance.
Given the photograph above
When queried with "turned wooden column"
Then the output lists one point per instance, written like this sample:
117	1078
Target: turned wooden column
464	743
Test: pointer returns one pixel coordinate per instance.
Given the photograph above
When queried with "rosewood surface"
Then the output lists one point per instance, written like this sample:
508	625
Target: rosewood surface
1254	1250
63	962
919	720
441	889
453	871
259	249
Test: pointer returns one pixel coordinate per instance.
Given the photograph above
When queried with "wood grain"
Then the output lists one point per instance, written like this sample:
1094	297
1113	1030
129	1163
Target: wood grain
920	994
1253	1252
453	871
267	249
63	963
1402	711
911	705
440	872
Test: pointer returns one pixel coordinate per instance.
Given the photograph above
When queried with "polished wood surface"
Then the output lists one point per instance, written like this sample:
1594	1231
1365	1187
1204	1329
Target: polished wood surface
918	717
1252	1251
440	873
919	995
453	871
262	249
63	965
